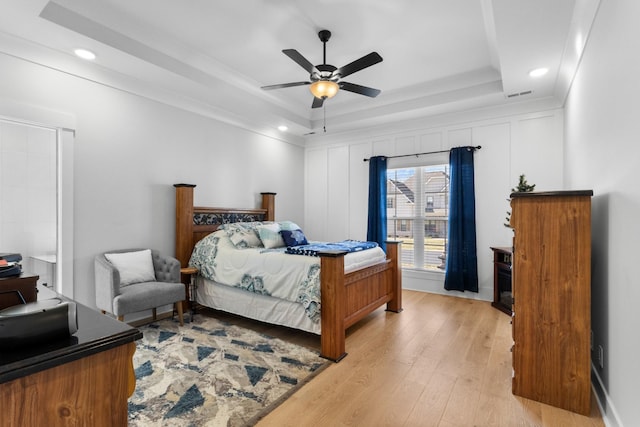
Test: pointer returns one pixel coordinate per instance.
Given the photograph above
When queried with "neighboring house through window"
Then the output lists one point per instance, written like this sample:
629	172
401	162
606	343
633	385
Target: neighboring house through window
418	213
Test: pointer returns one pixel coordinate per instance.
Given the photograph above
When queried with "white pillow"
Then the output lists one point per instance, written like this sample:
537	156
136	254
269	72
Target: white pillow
243	234
270	236
288	225
245	239
134	267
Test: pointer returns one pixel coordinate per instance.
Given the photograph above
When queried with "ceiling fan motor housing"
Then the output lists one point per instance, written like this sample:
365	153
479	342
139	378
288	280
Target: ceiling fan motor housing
325	72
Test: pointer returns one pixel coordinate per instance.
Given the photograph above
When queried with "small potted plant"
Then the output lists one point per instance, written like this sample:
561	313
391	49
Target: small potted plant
522	187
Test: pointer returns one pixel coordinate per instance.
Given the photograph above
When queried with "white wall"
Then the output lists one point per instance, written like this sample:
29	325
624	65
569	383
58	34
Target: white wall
336	183
129	151
602	152
28	193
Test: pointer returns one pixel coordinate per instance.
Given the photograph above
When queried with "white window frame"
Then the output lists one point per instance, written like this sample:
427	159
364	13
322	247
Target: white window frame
419	220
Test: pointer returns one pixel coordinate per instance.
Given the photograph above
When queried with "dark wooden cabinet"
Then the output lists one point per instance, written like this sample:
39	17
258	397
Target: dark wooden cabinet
502	296
81	380
552	298
25	284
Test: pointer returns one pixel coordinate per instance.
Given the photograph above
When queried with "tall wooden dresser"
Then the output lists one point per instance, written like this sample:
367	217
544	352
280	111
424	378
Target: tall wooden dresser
551	275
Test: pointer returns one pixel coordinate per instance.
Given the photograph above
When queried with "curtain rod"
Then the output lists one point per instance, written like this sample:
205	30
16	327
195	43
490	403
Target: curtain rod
430	152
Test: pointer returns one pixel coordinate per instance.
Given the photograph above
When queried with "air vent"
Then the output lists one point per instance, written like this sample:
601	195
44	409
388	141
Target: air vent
513	95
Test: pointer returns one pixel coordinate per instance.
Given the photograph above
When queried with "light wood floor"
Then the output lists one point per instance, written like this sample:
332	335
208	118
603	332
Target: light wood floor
444	361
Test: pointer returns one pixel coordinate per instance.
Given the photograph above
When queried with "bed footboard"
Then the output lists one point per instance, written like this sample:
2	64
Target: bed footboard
346	299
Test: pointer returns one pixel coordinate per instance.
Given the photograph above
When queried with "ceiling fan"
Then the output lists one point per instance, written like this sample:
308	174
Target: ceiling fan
325	79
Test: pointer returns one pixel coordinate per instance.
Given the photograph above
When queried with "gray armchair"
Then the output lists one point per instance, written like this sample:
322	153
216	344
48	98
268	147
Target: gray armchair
117	299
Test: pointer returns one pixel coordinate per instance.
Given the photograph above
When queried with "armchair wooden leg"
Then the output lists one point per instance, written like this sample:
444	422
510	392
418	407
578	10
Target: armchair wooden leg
121	318
154	314
103	311
179	308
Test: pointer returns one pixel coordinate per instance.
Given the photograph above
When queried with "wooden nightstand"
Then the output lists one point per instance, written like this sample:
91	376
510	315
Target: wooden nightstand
188	276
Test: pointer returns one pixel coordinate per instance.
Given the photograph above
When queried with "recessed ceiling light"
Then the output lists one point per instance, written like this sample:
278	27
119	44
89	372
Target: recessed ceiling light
283	128
538	72
85	54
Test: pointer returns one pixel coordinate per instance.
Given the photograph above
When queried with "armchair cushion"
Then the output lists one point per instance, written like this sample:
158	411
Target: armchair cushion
134	267
143	296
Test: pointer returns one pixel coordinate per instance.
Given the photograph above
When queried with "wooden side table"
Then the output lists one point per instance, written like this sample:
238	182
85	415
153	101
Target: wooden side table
188	279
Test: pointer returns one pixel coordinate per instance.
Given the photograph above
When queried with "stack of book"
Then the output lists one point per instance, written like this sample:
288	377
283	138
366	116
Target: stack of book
10	265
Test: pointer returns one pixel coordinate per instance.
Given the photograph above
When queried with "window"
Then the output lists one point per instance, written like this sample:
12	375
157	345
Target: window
390	202
429	207
419	214
430	228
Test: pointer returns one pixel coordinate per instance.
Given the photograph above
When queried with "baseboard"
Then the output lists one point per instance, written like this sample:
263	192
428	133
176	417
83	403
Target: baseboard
607	410
433	283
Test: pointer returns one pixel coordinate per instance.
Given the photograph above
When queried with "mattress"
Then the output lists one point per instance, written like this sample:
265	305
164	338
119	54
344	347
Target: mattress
254	306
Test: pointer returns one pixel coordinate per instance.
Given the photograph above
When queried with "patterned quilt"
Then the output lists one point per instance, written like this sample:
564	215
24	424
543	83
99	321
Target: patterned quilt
270	272
263	271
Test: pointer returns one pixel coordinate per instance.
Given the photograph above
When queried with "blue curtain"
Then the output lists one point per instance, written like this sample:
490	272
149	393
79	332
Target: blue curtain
377	223
462	259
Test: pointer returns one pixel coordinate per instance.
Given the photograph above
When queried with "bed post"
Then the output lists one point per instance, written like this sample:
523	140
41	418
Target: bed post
394	254
184	222
332	301
269	203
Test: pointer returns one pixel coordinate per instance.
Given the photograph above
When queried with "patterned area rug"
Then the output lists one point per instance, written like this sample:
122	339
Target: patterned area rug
211	373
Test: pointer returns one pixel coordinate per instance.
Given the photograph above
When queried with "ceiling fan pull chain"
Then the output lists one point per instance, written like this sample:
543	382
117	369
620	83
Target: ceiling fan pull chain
324	125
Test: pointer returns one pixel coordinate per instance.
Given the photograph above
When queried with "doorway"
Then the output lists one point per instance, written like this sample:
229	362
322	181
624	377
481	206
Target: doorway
28	188
36	198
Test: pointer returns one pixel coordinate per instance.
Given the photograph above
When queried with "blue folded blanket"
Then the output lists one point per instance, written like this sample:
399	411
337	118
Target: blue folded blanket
313	249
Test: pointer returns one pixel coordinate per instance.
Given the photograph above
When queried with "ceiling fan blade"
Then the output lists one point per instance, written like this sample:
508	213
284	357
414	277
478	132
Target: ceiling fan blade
358	64
317	102
300	60
362	90
283	85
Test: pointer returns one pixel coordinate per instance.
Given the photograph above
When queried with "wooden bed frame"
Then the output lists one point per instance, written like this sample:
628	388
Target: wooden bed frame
345	298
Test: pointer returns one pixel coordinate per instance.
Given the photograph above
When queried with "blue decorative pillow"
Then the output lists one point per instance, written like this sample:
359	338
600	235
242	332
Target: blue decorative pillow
294	237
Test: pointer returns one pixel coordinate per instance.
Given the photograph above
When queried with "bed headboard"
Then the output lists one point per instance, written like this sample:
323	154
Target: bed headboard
194	222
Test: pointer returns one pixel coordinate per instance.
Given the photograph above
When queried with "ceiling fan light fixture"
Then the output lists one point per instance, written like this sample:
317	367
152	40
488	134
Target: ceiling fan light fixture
324	89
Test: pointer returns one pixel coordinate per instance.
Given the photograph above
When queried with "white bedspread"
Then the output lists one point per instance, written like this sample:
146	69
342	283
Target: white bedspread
270	272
